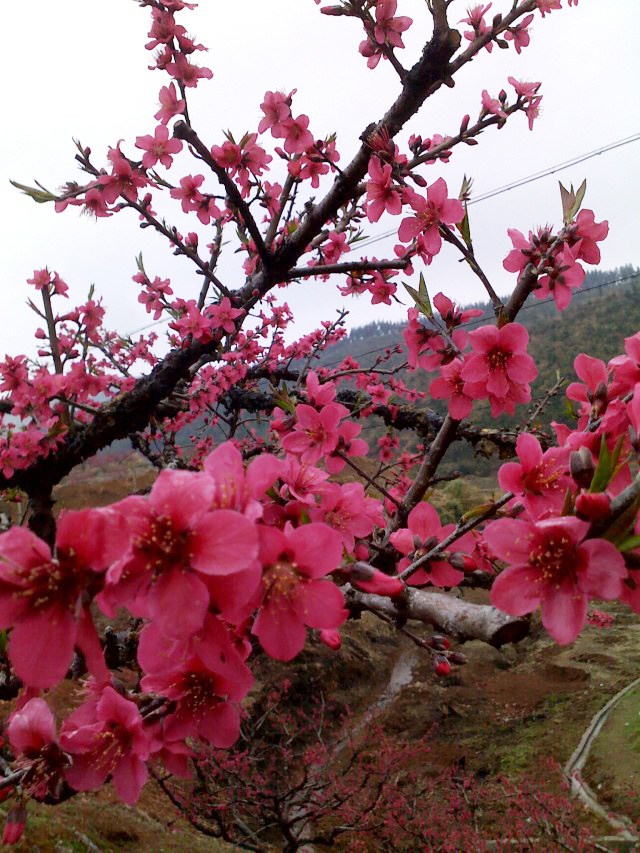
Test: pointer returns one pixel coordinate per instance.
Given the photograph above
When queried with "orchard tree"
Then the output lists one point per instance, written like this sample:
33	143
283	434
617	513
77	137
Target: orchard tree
247	540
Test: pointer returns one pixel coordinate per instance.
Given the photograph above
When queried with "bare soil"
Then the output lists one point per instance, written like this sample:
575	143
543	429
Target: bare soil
506	711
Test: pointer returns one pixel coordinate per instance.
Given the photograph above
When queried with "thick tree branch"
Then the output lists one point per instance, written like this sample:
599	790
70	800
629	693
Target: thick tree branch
117	419
455	617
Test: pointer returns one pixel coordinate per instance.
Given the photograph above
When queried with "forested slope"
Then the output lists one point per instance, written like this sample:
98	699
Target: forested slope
602	313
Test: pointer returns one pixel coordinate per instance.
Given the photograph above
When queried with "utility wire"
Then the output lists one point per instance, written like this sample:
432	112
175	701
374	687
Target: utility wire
477	320
483	197
522	181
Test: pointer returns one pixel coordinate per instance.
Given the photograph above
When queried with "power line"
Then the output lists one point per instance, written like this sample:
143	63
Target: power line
477	320
526	180
483	197
564	165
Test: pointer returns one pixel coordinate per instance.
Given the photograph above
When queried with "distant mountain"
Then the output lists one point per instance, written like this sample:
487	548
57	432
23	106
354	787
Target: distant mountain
601	315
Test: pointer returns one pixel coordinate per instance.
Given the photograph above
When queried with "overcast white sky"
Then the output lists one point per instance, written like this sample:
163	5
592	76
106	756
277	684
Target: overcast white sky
78	68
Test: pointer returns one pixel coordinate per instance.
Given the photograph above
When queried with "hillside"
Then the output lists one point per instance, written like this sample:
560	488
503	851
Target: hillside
602	313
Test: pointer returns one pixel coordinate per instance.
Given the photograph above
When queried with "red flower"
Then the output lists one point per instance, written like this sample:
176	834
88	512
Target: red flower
499	362
177	542
107	739
541	479
381	194
430	212
550	565
294	592
423	531
45	599
315	433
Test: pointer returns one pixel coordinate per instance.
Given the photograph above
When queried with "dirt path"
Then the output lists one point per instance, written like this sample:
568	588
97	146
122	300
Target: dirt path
574	766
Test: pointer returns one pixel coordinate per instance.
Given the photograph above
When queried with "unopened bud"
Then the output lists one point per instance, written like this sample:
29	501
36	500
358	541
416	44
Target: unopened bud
582	467
368	579
330	637
591	507
334	11
361	551
427	545
14	827
441	665
457	657
601	391
438	642
462	562
419	180
600	398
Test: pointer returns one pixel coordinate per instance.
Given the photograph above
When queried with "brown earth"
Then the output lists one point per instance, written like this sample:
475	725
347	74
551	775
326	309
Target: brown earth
505	711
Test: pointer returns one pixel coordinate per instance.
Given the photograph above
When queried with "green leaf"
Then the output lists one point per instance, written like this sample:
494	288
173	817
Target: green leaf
420	296
474	512
40	196
283	401
630	543
139	263
569	410
606	468
569	503
571	201
465	230
579	198
620	529
567	198
602	474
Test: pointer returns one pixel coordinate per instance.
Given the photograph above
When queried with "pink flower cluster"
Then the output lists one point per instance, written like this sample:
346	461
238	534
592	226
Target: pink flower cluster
207	560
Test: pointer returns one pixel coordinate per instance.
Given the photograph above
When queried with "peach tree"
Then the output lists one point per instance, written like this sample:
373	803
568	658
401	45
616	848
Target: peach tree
247	539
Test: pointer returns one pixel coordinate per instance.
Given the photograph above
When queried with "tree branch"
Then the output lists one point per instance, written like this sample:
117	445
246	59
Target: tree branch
350	266
183	131
455	617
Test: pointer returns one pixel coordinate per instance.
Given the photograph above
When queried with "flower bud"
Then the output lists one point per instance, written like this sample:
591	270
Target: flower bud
441	665
582	467
368	579
330	637
601	391
456	657
361	551
462	562
591	507
438	642
600	398
14	827
334	11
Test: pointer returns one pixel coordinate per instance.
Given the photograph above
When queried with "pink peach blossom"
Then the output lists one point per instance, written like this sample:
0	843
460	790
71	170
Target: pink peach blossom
106	738
430	212
45	599
552	565
294	592
540	480
498	362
